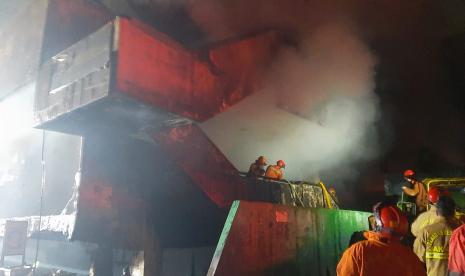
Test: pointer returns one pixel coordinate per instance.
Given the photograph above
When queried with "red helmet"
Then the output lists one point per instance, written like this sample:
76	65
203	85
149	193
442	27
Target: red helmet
434	193
281	164
390	220
409	173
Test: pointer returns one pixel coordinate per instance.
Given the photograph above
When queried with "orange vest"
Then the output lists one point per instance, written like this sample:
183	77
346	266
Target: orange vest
378	257
274	172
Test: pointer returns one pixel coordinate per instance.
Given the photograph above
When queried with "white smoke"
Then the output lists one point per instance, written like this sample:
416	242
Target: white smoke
317	109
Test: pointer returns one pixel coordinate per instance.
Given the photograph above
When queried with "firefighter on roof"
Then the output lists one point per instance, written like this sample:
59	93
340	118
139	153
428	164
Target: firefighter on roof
333	194
276	171
418	190
257	168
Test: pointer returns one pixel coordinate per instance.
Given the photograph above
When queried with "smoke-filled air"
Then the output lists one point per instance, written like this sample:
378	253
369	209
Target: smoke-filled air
317	109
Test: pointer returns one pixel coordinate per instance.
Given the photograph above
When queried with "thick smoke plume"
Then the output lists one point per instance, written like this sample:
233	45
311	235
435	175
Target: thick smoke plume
316	111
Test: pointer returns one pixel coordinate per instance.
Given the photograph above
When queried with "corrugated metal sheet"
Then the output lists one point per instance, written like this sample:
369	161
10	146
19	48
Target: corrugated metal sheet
75	77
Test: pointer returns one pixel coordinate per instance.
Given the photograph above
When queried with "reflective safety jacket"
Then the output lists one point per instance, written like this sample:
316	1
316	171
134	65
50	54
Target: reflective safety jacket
378	256
424	219
432	245
457	252
274	172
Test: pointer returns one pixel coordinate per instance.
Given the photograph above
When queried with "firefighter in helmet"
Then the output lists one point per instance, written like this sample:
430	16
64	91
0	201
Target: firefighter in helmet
257	168
430	216
382	253
276	171
418	190
333	194
432	243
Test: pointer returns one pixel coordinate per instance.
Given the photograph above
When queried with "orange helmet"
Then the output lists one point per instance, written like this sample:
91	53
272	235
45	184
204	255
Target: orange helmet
261	160
390	220
281	164
409	173
434	193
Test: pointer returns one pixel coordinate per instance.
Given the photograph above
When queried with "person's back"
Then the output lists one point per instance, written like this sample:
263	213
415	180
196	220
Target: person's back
429	217
379	257
433	247
382	254
432	244
457	252
424	219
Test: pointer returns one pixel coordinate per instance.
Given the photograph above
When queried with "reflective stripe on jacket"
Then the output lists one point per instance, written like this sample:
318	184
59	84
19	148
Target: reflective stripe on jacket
432	245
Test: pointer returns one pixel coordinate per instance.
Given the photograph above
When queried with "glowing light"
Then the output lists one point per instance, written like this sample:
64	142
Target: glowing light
16	115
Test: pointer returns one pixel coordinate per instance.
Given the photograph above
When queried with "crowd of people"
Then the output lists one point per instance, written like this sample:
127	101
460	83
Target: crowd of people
438	249
439	246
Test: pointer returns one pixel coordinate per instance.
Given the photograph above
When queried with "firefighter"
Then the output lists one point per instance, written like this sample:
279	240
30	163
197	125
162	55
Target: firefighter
418	191
257	168
429	217
457	252
333	194
432	246
382	254
276	171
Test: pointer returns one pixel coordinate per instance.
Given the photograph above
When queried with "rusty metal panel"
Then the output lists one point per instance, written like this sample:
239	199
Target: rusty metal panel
75	77
129	63
110	200
196	84
203	162
268	239
155	69
128	187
